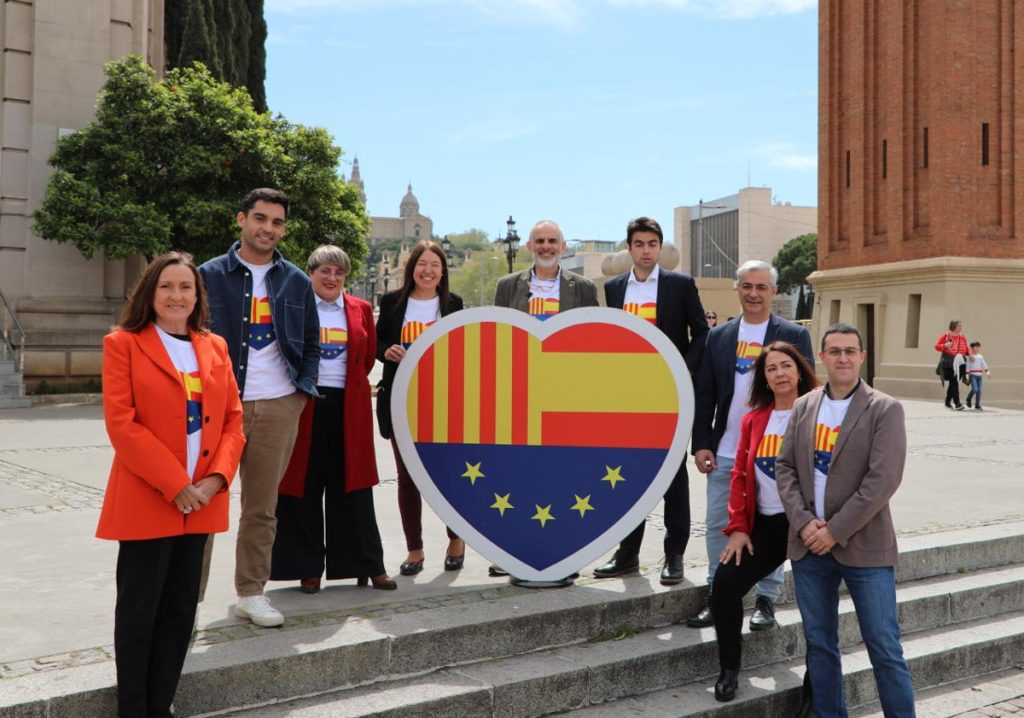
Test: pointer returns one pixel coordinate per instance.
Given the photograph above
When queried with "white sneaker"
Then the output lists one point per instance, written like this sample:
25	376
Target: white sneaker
258	610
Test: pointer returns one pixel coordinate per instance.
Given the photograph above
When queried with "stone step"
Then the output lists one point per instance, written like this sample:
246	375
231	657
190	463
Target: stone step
15	402
935	657
670	671
67	321
317	653
996	693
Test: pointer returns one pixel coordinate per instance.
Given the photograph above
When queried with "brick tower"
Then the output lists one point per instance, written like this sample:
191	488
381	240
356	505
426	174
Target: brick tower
921	188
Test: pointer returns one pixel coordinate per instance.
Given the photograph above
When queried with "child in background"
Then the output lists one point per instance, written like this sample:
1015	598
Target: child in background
977	368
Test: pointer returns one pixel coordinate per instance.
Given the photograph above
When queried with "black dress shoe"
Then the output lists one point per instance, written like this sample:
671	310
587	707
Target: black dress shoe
411	568
496	571
620	565
454	563
703	619
763	616
725	686
672	572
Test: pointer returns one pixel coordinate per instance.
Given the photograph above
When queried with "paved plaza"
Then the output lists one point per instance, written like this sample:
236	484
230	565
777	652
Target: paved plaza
964	469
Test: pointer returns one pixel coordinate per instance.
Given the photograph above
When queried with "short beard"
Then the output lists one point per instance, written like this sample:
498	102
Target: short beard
546	263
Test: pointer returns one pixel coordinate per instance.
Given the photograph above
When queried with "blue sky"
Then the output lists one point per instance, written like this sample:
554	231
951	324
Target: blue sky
588	112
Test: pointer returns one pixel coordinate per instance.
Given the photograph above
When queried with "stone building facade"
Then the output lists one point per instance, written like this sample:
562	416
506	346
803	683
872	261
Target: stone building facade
52	54
921	186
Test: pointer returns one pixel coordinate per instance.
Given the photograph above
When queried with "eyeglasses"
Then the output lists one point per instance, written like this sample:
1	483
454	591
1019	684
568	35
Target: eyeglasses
327	273
711	316
848	352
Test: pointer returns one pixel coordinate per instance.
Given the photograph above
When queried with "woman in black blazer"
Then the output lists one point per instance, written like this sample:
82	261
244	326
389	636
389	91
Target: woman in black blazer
404	314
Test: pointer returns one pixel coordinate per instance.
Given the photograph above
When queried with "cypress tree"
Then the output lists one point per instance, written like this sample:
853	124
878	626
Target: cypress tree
257	69
197	37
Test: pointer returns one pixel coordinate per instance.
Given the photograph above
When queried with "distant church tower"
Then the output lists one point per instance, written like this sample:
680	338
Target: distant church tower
358	181
921	185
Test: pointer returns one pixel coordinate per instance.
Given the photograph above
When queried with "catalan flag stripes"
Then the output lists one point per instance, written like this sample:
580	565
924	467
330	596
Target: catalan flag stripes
770	446
825	438
648	310
473	386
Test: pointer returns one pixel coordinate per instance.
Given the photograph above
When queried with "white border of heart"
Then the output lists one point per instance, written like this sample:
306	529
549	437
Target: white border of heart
543	329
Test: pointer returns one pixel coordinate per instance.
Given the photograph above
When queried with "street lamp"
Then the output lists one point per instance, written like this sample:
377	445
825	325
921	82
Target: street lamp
371	283
387	277
511	241
700	233
446	245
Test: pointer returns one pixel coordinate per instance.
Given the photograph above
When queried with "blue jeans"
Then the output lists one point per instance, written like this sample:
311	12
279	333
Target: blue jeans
717	517
873	591
975	391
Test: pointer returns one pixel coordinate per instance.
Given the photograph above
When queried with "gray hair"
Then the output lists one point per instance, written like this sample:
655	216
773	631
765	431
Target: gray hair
755	264
328	254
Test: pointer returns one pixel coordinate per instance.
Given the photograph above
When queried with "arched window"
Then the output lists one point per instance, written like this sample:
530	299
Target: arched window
416	231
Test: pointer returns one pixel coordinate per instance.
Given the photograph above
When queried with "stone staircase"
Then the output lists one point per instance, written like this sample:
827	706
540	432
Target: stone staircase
12	388
599	649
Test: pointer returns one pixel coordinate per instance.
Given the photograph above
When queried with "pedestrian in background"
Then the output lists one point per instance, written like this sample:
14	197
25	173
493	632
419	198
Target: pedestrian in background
175	422
977	370
952	344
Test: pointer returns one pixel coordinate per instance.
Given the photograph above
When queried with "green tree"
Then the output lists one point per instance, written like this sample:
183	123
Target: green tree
795	262
199	40
165	164
476	280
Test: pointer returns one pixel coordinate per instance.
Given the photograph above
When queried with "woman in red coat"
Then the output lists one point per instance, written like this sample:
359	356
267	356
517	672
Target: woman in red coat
756	517
175	421
333	467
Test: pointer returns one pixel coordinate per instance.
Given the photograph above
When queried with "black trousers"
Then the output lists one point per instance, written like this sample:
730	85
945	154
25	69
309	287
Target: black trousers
732	583
327	527
952	387
677	519
157	592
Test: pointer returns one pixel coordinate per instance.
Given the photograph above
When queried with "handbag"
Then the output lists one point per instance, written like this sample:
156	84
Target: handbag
384	410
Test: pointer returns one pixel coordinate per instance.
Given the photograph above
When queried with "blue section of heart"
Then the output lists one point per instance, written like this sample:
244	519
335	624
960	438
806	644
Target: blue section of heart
540	476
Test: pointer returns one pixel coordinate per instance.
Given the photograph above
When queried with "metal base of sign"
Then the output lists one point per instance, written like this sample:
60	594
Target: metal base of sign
557	583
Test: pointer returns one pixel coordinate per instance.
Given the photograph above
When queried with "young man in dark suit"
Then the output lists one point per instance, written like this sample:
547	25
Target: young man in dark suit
722	395
670	301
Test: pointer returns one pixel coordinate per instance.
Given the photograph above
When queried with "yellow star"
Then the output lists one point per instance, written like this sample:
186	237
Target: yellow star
543	515
501	503
613	476
473	472
191	419
582	505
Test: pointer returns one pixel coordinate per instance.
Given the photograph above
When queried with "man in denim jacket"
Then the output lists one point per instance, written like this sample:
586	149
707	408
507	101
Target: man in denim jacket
265	309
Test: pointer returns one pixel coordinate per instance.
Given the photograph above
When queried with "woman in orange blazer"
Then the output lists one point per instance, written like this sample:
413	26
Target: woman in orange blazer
325	514
758	529
175	422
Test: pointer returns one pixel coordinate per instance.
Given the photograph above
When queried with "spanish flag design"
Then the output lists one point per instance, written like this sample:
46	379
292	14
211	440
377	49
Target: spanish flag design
824	442
411	332
333	342
489	403
542	308
746	354
193	400
767	451
261	324
647	310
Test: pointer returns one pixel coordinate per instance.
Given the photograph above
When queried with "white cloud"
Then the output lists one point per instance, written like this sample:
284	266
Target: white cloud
565	13
787	156
726	9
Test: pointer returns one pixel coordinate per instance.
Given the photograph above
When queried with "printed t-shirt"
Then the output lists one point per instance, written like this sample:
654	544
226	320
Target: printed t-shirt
267	375
642	297
545	295
419	314
768	501
826	431
333	343
749	343
183	356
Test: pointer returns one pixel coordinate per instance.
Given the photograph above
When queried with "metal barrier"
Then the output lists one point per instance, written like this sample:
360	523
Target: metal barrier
16	351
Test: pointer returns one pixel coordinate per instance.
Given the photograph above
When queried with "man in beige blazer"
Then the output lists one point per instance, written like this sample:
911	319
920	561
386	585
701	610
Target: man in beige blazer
525	290
544	290
841	460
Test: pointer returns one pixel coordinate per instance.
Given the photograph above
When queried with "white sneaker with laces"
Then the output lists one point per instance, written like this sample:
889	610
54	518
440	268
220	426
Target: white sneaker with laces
258	610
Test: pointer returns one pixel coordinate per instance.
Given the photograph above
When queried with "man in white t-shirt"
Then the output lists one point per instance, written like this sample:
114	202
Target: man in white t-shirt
265	309
841	461
722	394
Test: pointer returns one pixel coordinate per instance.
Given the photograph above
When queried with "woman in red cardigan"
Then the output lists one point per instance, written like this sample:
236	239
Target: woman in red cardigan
174	419
756	517
325	514
951	344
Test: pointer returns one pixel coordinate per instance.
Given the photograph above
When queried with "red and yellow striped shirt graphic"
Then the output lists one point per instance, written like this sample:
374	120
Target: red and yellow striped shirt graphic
260	313
491	383
770	446
825	438
747	350
648	310
412	330
333	335
193	385
539	305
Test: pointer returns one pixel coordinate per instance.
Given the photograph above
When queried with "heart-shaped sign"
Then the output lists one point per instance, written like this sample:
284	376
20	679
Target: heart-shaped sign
542	444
